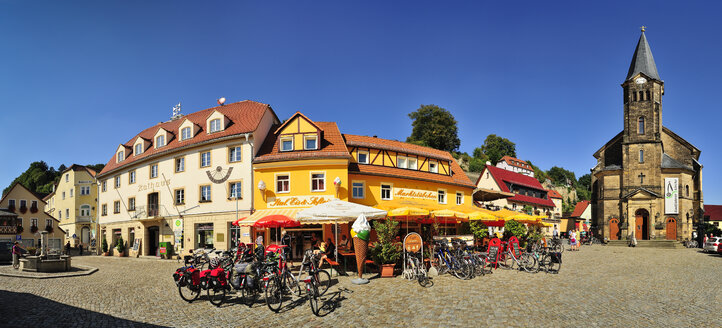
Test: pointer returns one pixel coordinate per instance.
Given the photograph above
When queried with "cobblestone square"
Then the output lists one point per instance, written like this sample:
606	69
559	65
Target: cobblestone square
597	286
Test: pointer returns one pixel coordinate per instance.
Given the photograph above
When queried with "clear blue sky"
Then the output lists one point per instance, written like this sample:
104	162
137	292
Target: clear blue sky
78	78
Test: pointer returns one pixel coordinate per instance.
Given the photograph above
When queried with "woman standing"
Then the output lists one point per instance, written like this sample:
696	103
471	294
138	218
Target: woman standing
16	250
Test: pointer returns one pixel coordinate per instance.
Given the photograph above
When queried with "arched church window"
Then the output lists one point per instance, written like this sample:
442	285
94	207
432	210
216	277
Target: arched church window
641	95
641	155
640	128
634	96
686	190
648	96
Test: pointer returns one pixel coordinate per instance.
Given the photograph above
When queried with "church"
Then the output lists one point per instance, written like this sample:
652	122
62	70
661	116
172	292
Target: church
647	181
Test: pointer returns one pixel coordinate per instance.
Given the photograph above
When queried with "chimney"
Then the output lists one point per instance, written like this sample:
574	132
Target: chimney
375	136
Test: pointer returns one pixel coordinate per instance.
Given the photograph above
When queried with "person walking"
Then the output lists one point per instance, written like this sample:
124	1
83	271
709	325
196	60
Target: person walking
16	251
286	241
67	248
80	247
572	240
555	233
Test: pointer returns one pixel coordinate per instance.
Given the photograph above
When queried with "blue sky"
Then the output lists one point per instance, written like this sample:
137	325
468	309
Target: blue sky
78	78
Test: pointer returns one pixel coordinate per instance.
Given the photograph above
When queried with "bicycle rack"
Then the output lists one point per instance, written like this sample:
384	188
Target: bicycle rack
413	245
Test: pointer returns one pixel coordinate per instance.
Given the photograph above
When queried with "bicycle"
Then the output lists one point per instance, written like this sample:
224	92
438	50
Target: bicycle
416	269
446	262
513	255
691	243
315	288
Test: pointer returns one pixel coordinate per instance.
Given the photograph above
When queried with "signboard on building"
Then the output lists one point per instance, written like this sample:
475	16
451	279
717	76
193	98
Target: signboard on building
298	201
671	196
177	224
415	194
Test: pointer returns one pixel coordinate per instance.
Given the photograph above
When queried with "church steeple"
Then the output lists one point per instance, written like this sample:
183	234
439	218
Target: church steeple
642	61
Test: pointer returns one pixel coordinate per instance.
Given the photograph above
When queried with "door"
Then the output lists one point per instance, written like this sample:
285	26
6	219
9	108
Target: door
641	230
153	241
153	204
614	229
671	229
638	227
85	235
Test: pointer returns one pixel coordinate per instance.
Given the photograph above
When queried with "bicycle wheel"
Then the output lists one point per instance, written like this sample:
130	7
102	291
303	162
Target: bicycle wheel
555	263
323	279
313	296
460	269
216	292
291	284
274	294
441	266
506	261
545	263
189	293
529	263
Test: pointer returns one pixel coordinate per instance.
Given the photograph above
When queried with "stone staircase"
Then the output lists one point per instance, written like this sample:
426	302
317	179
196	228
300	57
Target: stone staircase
669	244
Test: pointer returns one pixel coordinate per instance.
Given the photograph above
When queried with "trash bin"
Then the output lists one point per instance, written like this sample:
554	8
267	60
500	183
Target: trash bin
165	249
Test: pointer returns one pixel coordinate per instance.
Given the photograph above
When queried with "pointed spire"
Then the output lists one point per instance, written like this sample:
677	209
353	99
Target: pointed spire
642	61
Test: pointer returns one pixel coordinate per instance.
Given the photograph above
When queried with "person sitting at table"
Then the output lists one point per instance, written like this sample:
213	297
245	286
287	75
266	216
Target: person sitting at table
345	243
330	249
321	250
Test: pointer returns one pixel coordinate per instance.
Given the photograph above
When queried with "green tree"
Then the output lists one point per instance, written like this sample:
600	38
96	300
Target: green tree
434	127
387	251
476	165
38	178
514	228
560	176
478	229
539	174
496	147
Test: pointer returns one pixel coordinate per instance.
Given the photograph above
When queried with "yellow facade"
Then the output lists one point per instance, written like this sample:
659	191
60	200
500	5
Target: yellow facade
74	203
27	217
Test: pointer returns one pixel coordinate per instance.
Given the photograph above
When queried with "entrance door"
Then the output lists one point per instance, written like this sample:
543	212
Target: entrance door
641	230
614	229
153	204
153	233
85	235
671	229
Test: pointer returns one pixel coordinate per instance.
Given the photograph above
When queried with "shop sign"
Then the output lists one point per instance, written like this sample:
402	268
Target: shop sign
177	224
162	250
671	196
297	201
205	227
415	194
153	185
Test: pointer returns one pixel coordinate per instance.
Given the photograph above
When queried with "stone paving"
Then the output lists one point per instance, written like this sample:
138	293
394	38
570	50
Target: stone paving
597	286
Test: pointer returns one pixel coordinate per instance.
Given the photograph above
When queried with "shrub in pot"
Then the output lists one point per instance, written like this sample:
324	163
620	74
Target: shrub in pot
34	229
120	246
104	246
387	251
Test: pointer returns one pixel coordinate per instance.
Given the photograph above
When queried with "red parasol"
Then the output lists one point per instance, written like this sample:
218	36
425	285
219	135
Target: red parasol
276	221
235	223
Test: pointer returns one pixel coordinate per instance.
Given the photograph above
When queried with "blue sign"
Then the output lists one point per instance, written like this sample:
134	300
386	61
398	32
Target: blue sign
75	236
17	237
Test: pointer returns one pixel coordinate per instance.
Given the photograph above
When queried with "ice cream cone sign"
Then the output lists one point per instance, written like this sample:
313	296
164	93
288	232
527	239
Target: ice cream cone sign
360	232
337	185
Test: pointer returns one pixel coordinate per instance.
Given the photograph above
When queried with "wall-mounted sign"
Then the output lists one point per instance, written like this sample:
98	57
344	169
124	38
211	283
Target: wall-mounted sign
153	185
297	201
415	194
205	227
671	196
177	224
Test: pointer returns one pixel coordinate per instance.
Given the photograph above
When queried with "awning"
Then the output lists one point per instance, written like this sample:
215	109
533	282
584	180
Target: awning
485	195
259	214
337	211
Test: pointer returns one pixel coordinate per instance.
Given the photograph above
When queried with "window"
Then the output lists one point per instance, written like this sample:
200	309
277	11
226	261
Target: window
120	156
60	215
358	190
63	195
67	177
67	213
131	177
116	207
180	196
648	96
180	164
159	141
85	210
640	128
433	167
363	157
386	192
153	171
131	204
234	154
138	149
48	223
84	190
310	142
286	144
206	159
71	195
11	202
234	188
33	222
283	183
641	155
20	222
459	198
23	203
104	210
318	181
401	162
185	133
34	204
215	125
442	196
412	163
117	181
205	193
104	185
686	190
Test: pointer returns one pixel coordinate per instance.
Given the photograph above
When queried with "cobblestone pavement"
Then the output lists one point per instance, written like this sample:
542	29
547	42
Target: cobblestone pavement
597	286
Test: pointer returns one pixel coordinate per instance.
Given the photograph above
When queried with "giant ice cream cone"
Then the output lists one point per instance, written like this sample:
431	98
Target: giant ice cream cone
361	247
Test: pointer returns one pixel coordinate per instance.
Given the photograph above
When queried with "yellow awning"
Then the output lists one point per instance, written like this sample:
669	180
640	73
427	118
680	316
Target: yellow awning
482	216
523	218
259	214
449	214
407	211
503	213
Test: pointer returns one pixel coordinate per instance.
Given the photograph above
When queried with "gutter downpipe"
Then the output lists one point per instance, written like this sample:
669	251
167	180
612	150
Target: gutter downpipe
253	155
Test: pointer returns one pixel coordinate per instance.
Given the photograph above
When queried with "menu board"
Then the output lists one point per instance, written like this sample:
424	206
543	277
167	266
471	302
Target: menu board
136	244
493	253
515	247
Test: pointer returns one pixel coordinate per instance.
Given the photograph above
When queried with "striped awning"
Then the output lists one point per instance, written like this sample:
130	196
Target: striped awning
260	214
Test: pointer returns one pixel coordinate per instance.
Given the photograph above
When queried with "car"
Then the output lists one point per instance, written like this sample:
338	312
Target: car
712	244
6	255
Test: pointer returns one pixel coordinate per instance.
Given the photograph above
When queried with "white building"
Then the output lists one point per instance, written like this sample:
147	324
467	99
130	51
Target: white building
515	165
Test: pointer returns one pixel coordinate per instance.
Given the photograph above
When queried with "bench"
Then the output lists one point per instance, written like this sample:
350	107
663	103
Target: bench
333	264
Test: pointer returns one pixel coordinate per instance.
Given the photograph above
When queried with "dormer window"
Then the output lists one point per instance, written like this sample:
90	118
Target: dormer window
412	163
310	142
287	144
121	156
138	149
433	167
215	125
159	141
363	157
186	133
402	162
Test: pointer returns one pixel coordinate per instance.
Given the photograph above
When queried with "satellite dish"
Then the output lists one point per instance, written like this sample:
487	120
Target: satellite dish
221	101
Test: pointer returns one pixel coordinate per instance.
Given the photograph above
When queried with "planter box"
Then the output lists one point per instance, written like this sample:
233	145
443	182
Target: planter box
387	270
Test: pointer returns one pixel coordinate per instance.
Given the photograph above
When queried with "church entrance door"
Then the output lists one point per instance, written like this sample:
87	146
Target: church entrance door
641	230
671	229
614	229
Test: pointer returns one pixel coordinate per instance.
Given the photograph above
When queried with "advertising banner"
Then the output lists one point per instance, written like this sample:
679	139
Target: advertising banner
671	196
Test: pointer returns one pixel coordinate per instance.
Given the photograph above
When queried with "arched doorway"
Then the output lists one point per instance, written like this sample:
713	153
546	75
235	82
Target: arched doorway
614	229
671	229
85	235
641	228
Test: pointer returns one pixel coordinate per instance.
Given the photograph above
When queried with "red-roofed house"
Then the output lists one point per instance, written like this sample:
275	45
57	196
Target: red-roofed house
527	190
713	214
557	200
515	165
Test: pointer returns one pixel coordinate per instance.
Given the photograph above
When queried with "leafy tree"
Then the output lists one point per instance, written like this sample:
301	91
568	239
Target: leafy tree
96	167
514	228
496	147
478	229
387	251
709	228
585	181
476	165
528	209
560	176
37	178
434	127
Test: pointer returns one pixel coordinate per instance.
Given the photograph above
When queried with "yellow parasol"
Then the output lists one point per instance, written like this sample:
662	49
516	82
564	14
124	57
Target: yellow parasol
482	216
449	214
504	213
522	218
407	211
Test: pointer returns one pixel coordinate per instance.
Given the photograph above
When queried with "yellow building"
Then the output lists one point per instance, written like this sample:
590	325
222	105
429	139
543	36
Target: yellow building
21	210
74	203
302	164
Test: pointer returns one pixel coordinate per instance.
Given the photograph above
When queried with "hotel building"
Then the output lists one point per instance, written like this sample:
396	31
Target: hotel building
74	203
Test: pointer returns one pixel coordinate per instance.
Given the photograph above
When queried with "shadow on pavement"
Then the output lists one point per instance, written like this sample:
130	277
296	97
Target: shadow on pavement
24	310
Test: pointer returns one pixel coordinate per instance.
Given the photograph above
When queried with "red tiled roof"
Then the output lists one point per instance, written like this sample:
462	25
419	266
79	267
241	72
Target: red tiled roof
579	209
456	179
397	146
554	194
244	117
331	146
516	162
713	211
502	176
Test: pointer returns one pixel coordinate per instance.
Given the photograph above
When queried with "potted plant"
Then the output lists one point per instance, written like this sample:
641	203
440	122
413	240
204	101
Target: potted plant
23	208
120	246
480	232
34	229
104	246
11	208
387	251
49	229
20	229
33	209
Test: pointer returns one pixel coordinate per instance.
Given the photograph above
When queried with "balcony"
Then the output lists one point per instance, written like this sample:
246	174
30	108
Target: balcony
8	230
83	219
150	211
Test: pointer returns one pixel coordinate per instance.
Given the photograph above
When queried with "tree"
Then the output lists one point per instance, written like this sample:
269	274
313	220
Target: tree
496	147
476	165
539	174
434	127
514	228
37	178
560	176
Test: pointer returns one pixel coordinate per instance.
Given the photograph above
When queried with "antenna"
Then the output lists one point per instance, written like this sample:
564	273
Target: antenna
176	112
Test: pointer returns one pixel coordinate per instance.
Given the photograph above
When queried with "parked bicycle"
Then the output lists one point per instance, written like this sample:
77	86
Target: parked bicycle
416	269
